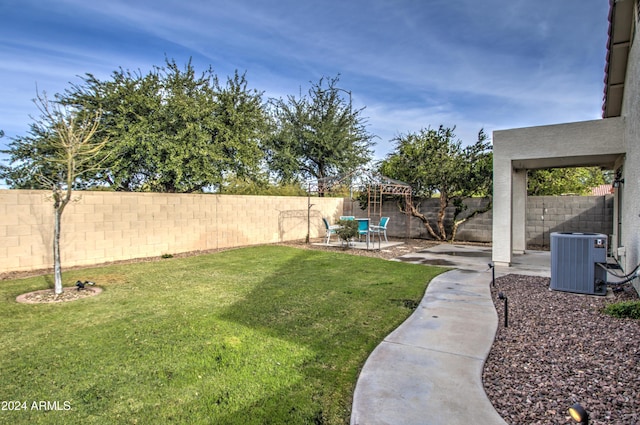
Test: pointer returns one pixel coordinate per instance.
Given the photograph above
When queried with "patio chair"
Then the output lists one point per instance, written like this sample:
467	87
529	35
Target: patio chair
381	228
331	229
363	228
347	217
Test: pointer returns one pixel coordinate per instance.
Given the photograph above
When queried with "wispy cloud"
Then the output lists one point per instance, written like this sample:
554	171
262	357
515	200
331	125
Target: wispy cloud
412	64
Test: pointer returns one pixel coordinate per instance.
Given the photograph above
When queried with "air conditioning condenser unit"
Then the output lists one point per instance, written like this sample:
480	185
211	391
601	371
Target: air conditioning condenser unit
575	262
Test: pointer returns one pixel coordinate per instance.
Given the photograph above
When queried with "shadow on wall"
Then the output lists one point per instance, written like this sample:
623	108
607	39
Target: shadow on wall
290	220
43	215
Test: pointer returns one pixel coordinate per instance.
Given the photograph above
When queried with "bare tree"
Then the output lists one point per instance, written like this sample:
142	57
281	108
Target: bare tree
71	152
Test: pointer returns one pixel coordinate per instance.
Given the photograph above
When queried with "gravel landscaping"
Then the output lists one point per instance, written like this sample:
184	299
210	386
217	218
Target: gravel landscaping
559	348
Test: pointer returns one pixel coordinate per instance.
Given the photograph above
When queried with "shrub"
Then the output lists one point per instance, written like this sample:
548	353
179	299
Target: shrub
624	310
348	230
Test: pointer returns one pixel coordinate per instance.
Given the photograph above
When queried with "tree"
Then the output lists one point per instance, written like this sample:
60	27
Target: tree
172	130
58	151
318	135
30	156
434	163
562	181
239	186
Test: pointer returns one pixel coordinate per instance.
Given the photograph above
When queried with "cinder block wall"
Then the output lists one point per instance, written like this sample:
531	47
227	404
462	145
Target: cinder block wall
545	214
99	227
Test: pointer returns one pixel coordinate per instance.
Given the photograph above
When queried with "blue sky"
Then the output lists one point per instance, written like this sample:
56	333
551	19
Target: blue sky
491	64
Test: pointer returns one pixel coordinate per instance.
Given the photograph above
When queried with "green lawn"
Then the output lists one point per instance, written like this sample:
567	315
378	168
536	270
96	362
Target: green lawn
261	335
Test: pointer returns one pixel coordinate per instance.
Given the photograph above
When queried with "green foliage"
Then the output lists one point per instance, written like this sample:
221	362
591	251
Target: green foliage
238	186
61	150
172	130
348	230
318	135
248	336
564	181
25	168
624	310
435	163
340	191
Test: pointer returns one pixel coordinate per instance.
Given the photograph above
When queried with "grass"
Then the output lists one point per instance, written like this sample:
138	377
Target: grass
261	335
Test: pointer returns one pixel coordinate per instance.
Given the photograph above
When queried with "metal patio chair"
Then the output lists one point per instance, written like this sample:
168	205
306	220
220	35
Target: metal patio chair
381	228
331	229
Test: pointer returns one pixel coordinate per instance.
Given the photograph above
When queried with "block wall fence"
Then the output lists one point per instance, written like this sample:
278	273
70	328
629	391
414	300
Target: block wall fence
544	215
101	227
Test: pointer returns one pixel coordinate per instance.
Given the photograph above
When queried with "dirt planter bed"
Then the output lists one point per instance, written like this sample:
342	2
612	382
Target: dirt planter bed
48	296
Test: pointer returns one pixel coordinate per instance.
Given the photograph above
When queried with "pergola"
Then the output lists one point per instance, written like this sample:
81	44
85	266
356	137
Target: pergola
373	184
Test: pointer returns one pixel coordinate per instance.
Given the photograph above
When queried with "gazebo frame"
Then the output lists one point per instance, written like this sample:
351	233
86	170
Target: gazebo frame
374	184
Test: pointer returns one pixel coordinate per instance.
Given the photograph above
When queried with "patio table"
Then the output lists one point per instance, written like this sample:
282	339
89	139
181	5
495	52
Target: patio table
364	223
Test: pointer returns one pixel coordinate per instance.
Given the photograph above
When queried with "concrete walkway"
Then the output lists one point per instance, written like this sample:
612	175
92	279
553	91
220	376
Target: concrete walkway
429	370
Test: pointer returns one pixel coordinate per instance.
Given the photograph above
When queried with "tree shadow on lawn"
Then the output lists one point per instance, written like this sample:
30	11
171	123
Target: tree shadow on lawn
288	351
338	307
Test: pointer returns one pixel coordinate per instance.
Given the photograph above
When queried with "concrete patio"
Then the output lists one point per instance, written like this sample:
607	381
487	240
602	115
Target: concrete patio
371	246
478	258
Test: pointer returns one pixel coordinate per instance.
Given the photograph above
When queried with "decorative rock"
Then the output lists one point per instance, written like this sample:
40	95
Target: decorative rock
560	349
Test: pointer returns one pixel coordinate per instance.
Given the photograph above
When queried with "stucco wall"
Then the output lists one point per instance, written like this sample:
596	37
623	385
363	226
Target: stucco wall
560	145
631	189
101	227
587	143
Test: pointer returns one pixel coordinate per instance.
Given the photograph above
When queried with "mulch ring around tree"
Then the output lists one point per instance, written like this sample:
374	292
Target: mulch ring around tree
70	293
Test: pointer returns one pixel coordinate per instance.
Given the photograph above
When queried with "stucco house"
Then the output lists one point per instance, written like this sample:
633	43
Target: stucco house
612	142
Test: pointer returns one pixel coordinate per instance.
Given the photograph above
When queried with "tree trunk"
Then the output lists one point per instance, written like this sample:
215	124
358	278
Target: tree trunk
444	202
457	223
60	201
57	268
414	212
